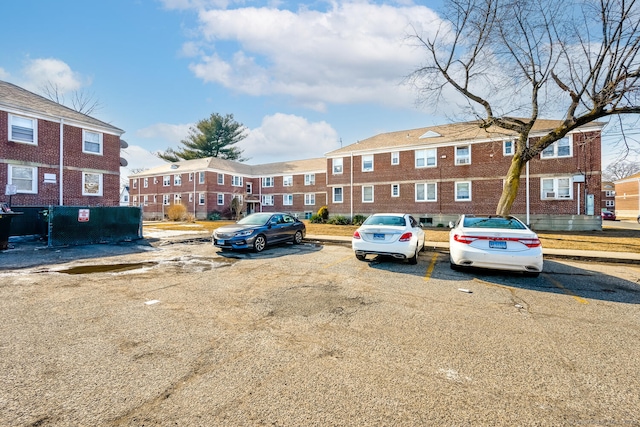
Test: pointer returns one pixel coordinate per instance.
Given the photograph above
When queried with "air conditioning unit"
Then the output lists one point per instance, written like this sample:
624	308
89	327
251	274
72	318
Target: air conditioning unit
463	161
550	195
337	169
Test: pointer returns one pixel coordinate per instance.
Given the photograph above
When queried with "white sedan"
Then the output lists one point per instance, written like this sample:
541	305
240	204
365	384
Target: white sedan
393	234
496	242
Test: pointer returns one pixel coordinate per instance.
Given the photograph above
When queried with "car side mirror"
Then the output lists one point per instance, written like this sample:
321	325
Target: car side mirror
451	225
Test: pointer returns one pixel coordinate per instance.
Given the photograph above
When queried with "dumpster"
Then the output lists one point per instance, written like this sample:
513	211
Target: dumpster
5	224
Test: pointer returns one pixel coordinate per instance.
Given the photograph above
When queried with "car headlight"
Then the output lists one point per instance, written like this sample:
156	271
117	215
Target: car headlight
244	233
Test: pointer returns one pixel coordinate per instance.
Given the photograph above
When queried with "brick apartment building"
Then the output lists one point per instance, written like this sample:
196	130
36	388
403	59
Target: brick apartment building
53	155
626	197
435	173
208	185
608	196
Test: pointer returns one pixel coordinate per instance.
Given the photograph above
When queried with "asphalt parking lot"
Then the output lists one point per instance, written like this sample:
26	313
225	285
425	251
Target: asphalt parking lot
179	333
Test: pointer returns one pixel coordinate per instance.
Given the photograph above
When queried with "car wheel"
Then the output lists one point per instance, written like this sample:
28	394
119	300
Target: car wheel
297	238
414	259
260	243
361	257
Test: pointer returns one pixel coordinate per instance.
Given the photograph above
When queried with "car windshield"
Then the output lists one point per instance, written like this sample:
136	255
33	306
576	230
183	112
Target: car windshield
385	220
493	222
255	219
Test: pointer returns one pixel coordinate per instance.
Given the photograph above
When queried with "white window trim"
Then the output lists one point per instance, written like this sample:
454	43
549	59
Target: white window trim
310	179
34	121
166	198
100	142
236	181
310	199
555	149
145	182
268	200
544	195
395	155
334	165
177	180
333	194
146	200
458	159
372	194
190	176
504	147
362	167
609	203
220	199
267	181
457	199
426	165
201	199
190	197
166	180
426	193
287	180
201	177
34	178
100	186
395	185
286	198
220	179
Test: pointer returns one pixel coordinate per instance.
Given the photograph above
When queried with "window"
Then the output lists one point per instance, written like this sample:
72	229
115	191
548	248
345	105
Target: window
165	199
395	158
145	183
220	199
125	198
609	193
25	178
220	179
367	194
560	148
249	188
91	184
309	179
135	200
310	199
508	148
201	199
177	199
426	158
177	180
463	191
267	200
287	199
154	199
609	203
337	166
190	176
287	181
337	195
91	142
190	197
135	184
367	163
463	155
237	197
267	181
556	188
308	215
236	181
201	177
146	200
22	129
395	190
426	192
166	180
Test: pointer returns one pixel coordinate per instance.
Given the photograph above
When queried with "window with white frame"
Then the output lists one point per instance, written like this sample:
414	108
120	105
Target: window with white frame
310	199
134	183
267	200
249	188
23	129
287	181
237	197
609	203
556	188
220	179
463	155
177	199
395	158
337	166
125	198
91	184
165	199
309	179
561	148
145	183
395	190
236	181
426	192
308	214
337	195
201	177
201	199
426	158
367	194
155	200
177	180
91	142
609	193
146	200
463	191
367	163
25	178
166	180
287	199
190	197
267	181
190	176
508	148
220	199
135	200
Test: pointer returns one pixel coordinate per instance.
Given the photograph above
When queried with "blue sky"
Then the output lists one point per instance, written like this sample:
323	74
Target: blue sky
302	77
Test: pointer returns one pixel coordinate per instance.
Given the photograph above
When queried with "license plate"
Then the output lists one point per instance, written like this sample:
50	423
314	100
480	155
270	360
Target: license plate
221	242
497	244
378	236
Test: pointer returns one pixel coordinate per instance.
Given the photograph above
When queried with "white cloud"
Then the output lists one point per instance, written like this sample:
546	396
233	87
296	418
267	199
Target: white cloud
316	57
137	158
42	71
165	133
283	137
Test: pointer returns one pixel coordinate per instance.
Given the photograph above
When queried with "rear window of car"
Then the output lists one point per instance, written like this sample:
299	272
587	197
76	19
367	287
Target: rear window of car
491	222
385	220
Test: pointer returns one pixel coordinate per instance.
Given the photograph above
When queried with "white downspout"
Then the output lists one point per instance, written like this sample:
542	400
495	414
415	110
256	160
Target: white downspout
351	186
61	185
528	201
195	177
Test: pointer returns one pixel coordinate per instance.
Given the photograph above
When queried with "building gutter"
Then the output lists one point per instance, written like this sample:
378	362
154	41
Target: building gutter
61	184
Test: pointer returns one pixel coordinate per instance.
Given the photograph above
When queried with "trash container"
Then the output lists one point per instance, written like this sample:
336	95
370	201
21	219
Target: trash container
5	224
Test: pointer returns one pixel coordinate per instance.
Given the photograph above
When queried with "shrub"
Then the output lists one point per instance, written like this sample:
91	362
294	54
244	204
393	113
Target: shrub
358	219
214	216
177	212
323	213
191	218
339	220
316	219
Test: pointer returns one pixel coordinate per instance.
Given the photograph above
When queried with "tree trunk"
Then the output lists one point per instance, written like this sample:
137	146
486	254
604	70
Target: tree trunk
511	185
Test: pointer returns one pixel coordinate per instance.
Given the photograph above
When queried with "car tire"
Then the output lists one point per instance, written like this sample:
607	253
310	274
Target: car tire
361	257
414	259
297	238
639	220
260	243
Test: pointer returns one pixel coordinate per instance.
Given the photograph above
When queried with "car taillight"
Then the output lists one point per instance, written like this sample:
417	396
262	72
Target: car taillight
356	235
464	239
406	237
530	243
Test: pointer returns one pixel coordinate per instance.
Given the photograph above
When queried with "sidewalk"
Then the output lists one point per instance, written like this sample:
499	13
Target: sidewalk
623	257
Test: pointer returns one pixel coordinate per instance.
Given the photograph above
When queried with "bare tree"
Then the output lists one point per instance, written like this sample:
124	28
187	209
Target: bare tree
82	101
513	60
237	205
619	170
